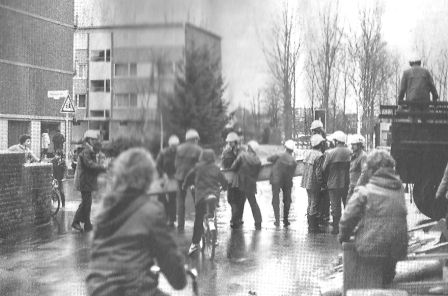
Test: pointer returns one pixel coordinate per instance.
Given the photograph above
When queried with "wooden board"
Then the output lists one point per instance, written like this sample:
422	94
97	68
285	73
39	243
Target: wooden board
161	186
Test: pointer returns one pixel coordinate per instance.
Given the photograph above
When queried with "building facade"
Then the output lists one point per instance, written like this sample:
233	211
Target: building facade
124	74
36	56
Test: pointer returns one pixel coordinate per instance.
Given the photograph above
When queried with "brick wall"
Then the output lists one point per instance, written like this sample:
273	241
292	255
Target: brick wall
24	192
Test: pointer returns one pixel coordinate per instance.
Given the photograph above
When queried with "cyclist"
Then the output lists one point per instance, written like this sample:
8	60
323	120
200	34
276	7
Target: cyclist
207	177
131	234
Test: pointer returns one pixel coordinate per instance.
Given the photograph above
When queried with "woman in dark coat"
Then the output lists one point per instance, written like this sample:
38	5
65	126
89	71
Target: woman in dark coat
376	215
131	234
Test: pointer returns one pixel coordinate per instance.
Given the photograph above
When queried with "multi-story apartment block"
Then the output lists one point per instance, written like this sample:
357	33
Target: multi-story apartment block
125	73
36	56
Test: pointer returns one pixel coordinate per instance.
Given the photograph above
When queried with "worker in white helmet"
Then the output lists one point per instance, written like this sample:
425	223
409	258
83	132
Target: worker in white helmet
282	172
336	166
323	215
357	162
247	167
312	180
166	169
235	197
187	155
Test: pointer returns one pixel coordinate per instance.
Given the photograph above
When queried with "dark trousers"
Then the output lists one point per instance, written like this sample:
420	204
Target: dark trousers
256	213
236	199
169	202
276	201
336	197
83	212
181	195
323	205
61	191
387	266
313	203
201	209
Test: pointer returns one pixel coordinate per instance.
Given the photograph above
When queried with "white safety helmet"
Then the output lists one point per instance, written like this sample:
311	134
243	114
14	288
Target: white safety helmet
316	140
232	137
191	134
290	145
316	124
358	139
414	58
339	136
92	134
253	145
173	140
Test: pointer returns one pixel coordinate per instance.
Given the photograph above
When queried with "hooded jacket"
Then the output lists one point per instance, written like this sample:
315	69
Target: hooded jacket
247	167
376	213
206	177
283	169
127	241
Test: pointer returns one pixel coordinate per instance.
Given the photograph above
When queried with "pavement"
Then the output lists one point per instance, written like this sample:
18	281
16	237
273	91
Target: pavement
52	259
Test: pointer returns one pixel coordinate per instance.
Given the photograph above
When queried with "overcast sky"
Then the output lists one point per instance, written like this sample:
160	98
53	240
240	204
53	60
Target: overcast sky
245	25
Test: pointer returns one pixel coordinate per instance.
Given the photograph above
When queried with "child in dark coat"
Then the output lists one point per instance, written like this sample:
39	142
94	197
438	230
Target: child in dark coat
207	177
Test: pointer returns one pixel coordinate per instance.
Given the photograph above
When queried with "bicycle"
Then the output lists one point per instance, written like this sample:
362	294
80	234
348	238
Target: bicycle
55	198
210	224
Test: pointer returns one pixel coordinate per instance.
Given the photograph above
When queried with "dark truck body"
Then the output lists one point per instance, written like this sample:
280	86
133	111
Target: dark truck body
420	147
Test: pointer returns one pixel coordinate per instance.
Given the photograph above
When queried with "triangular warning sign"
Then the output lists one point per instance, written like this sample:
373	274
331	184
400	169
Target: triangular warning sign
68	106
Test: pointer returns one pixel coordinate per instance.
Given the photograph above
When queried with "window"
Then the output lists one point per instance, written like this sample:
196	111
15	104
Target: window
133	100
121	100
133	69
121	69
97	85
107	85
81	100
81	71
97	55
97	113
108	55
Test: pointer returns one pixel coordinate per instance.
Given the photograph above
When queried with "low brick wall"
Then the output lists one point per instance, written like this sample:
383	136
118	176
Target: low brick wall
24	192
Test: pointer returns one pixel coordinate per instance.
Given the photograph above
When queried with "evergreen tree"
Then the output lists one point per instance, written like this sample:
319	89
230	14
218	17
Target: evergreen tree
198	98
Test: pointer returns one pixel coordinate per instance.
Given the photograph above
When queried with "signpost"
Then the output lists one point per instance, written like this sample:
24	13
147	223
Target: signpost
57	94
67	107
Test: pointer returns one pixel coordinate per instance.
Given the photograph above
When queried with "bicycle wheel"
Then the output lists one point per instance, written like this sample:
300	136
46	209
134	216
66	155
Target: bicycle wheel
55	202
209	239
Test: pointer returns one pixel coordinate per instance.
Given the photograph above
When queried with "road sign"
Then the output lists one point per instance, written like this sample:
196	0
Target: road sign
68	106
57	94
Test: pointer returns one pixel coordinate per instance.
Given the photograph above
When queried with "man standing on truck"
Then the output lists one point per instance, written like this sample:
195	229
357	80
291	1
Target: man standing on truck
416	84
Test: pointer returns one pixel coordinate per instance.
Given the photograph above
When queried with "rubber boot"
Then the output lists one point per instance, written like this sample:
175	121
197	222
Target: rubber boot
335	229
286	222
313	225
276	215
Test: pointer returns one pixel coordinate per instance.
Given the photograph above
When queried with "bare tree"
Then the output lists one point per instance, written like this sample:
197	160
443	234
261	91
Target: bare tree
323	58
282	57
369	56
272	105
256	111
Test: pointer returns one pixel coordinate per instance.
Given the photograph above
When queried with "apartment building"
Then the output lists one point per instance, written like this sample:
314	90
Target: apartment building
125	74
36	56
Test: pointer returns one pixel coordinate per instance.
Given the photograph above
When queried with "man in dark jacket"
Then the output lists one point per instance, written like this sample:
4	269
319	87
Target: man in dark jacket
166	169
235	197
58	141
59	168
87	171
416	84
131	235
187	155
247	167
376	215
206	177
336	166
282	172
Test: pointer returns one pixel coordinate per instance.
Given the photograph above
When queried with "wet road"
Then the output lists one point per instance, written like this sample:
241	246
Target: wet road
52	259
